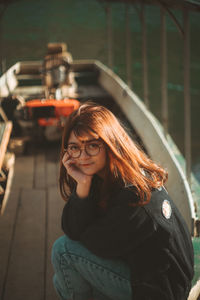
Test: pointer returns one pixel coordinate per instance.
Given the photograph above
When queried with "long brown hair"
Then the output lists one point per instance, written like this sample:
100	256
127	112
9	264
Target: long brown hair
126	162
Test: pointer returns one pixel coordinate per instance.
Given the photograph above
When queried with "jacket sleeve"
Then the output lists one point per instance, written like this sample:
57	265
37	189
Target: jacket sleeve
122	228
78	214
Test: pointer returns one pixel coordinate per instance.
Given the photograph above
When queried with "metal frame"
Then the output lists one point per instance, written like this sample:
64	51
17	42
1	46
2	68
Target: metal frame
144	57
184	30
187	99
128	48
109	35
164	71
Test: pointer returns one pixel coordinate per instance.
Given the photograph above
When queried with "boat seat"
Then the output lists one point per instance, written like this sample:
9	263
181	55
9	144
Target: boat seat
57	69
55	48
56	56
55	60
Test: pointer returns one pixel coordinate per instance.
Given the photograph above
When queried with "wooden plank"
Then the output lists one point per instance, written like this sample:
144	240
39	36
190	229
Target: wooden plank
39	175
24	172
28	76
58	170
7	229
25	278
30	67
29	90
52	157
55	206
51	174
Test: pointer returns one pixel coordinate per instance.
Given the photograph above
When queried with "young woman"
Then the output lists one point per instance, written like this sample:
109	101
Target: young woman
124	237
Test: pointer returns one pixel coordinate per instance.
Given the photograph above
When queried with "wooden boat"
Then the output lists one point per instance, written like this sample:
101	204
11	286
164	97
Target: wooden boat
94	81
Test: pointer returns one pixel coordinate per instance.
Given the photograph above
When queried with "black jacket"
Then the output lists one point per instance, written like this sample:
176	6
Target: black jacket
153	239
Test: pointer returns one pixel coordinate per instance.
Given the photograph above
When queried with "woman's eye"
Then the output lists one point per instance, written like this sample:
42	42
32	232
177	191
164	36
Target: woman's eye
73	148
93	146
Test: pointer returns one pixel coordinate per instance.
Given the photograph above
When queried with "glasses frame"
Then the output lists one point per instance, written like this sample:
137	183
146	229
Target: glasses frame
100	145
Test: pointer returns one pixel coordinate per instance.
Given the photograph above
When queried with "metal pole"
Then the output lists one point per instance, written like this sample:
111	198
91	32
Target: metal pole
3	115
164	71
4	67
144	58
109	35
187	99
128	48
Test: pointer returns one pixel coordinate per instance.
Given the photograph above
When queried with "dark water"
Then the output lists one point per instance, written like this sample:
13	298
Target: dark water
28	25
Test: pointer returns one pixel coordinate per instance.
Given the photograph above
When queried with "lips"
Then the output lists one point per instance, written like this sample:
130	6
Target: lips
86	165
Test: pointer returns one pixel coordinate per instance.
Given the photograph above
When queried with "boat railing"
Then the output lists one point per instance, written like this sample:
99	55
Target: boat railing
6	160
166	9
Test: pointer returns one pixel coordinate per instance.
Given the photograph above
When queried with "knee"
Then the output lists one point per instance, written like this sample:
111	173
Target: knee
61	247
58	249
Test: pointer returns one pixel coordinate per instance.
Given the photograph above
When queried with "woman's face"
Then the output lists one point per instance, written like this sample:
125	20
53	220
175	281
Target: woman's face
88	164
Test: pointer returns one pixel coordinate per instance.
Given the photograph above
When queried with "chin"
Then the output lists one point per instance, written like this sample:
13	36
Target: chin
88	172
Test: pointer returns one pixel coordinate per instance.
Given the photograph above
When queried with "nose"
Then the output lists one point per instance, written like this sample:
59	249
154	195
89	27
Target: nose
84	154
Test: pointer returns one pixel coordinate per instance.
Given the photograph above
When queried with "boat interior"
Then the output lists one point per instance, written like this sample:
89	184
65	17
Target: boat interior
31	205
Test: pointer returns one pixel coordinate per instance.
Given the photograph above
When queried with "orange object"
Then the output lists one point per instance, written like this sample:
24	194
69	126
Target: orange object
48	122
61	108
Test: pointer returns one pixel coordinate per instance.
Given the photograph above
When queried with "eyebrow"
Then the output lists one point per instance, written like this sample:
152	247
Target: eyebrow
83	142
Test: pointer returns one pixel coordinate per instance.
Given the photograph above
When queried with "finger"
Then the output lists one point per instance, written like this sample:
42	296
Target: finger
68	162
65	158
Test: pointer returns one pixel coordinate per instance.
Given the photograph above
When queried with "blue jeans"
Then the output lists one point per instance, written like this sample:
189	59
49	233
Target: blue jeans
81	275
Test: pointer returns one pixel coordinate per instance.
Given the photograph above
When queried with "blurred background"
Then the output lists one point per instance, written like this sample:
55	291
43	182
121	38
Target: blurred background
26	26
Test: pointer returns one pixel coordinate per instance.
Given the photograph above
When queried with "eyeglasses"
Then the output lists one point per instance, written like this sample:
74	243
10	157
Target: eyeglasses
91	149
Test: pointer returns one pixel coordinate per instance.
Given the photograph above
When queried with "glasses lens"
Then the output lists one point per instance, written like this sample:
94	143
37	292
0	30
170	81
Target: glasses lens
92	148
73	150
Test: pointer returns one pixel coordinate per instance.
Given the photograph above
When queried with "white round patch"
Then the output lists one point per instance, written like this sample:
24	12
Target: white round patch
166	209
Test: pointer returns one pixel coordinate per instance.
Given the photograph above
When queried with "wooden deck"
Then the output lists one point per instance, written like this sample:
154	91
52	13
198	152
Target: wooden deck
29	226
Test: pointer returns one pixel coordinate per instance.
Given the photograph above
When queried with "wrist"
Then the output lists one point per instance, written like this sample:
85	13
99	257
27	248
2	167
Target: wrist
83	189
